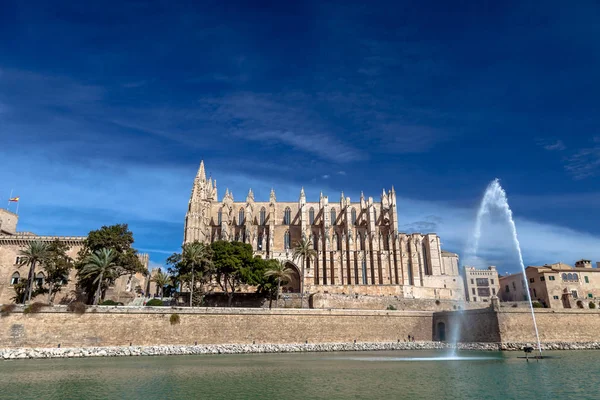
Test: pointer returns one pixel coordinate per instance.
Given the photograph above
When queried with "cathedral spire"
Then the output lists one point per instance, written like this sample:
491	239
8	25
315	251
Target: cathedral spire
272	197
302	194
201	175
250	197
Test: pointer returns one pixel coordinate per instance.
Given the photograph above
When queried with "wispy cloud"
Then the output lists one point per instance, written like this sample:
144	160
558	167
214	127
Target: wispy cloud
585	162
556	145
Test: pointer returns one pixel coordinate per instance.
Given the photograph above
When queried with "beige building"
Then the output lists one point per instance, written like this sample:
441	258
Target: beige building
556	285
481	284
124	289
359	248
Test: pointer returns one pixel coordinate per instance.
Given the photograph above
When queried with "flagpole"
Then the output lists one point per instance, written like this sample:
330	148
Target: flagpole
9	197
18	207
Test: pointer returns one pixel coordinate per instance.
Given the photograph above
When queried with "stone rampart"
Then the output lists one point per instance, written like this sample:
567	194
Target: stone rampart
365	302
118	326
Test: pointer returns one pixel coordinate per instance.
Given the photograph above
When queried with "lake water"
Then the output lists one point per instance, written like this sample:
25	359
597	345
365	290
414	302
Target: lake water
351	375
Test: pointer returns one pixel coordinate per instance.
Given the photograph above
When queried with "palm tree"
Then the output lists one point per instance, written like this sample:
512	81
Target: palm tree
35	253
101	265
282	272
161	279
303	251
195	255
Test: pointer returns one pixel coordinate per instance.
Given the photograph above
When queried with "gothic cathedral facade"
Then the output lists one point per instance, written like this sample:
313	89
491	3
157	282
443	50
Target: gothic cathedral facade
359	249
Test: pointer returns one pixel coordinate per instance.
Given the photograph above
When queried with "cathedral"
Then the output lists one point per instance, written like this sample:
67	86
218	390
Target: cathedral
359	249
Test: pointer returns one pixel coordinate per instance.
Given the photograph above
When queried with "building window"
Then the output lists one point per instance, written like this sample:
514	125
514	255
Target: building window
531	280
472	281
219	217
311	216
474	298
18	261
338	241
473	290
362	241
570	277
542	279
39	279
286	240
492	281
483	292
315	242
364	272
587	280
263	215
515	285
353	216
259	242
555	297
551	278
241	216
590	295
574	293
575	277
482	282
494	291
287	216
333	217
507	290
564	276
534	293
14	279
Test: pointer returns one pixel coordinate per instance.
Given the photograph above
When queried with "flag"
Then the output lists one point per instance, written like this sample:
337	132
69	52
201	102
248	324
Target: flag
14	199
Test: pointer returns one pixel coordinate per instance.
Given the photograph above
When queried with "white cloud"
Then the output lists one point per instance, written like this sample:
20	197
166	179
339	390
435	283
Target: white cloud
325	177
558	145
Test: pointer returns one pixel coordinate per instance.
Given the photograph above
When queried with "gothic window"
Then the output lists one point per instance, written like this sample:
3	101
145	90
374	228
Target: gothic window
315	243
259	242
286	240
263	213
564	277
241	216
39	278
353	216
361	238
425	263
287	216
570	276
219	217
14	279
332	212
364	272
311	216
575	277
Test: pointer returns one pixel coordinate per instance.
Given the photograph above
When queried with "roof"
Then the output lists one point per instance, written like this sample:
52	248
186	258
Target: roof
448	254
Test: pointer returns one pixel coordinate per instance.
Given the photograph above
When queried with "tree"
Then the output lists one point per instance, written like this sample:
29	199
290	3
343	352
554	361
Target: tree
233	265
57	267
161	279
99	267
35	253
303	251
117	238
280	271
191	266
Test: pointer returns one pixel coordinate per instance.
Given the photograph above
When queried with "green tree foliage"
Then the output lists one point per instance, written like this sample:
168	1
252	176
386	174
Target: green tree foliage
161	279
100	267
191	267
233	265
34	254
281	272
117	238
303	250
57	267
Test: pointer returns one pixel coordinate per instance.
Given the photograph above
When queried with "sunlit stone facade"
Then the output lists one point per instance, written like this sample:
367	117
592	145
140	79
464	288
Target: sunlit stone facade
359	248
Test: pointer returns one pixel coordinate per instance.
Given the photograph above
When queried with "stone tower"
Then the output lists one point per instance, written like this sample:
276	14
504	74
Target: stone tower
197	219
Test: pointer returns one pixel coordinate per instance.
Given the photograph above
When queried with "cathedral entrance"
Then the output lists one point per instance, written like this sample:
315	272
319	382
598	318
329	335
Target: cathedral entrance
293	286
441	331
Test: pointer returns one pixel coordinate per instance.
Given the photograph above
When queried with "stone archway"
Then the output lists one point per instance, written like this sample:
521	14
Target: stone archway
441	331
293	286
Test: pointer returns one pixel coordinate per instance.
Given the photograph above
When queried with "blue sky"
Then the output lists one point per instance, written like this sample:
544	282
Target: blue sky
106	110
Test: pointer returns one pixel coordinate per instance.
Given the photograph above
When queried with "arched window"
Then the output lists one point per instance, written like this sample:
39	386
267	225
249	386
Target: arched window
39	278
219	217
287	216
263	215
364	272
353	216
570	276
311	216
241	216
361	238
259	242
575	277
564	276
315	243
333	218
14	279
286	240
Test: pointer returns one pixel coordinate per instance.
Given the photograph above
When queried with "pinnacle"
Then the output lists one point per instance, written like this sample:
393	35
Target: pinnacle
201	173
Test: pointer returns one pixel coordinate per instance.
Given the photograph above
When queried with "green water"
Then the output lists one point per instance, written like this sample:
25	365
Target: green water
356	375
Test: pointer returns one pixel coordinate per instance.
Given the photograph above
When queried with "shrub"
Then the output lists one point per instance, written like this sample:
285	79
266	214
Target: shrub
154	303
109	303
7	309
77	307
592	304
537	304
34	308
391	307
174	320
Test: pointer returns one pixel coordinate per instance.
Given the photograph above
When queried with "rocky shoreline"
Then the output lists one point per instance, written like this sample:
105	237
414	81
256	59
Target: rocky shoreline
122	351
